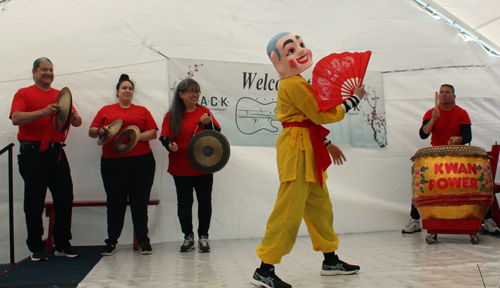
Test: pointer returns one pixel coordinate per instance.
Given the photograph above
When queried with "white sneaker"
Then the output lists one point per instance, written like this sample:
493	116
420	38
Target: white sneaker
490	226
203	245
412	227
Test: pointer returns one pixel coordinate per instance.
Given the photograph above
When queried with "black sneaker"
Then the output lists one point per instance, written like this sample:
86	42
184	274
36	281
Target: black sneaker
68	252
203	244
108	250
188	244
268	279
146	249
338	268
40	255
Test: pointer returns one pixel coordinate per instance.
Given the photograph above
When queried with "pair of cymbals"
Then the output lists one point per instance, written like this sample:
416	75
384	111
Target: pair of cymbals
208	151
63	113
124	141
110	131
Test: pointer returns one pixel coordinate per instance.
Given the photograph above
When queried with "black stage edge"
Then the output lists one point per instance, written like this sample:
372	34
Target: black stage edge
61	272
4	267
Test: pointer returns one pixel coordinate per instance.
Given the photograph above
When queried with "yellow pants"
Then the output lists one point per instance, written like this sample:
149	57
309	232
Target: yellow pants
296	200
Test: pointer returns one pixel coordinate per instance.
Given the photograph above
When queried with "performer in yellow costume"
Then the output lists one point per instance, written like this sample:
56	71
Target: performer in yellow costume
302	158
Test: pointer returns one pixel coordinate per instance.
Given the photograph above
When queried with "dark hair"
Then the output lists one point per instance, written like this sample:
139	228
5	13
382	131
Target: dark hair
178	105
123	78
448	85
39	61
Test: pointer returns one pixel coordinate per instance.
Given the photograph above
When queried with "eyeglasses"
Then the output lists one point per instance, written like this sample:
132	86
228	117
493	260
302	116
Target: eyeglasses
194	91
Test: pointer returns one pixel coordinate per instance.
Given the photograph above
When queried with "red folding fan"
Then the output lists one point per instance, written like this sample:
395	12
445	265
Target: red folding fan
336	76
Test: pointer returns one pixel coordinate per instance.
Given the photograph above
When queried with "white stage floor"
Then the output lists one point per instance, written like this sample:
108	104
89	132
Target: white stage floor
387	259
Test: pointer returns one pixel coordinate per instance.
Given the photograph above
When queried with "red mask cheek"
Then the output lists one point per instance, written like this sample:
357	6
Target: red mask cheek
292	63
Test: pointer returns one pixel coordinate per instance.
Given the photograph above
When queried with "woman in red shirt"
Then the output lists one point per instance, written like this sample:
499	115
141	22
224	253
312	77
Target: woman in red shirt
179	126
126	177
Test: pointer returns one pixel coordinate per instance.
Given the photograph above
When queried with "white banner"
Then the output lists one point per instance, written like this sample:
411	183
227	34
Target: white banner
242	97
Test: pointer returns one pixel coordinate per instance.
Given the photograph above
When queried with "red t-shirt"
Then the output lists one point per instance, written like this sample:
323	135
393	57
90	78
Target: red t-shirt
31	99
447	125
134	115
178	164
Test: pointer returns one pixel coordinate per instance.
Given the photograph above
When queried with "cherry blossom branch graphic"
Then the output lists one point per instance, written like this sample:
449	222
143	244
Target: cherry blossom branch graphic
190	74
375	121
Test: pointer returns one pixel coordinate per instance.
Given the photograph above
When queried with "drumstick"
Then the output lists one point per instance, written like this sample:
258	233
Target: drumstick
199	123
436	99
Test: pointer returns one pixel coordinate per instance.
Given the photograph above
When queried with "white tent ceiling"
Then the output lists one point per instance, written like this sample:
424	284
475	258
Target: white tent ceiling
227	30
482	16
92	42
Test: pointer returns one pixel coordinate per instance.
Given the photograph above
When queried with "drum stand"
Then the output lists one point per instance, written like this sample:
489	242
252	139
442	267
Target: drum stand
467	227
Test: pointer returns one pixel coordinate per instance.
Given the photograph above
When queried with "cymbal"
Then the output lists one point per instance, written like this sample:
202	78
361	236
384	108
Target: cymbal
208	151
126	139
111	130
63	113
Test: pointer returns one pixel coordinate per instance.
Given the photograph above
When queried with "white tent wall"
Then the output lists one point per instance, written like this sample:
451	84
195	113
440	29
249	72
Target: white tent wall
92	42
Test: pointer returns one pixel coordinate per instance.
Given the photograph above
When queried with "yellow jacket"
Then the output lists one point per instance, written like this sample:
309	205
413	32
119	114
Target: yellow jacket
296	104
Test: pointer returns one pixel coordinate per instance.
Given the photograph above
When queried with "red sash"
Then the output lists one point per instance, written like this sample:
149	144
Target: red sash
316	133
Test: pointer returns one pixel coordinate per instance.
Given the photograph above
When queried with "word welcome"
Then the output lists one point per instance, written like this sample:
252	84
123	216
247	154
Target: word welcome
262	83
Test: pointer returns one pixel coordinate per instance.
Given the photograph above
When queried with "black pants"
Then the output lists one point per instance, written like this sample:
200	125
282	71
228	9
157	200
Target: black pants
41	170
128	179
203	187
489	214
414	212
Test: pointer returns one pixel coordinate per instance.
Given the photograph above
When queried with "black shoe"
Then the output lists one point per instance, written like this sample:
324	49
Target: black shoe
146	249
203	244
188	244
68	251
40	255
108	250
268	279
338	267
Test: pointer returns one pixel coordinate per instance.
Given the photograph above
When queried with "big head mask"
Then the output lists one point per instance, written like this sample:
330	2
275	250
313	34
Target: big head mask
289	54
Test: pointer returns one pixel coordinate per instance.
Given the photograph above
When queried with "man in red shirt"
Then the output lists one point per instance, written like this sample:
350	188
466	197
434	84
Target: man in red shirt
43	166
449	125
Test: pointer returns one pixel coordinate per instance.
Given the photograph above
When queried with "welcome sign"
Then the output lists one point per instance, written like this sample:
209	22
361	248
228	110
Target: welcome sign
242	97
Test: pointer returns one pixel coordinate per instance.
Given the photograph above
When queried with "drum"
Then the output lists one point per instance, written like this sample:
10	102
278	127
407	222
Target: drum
452	182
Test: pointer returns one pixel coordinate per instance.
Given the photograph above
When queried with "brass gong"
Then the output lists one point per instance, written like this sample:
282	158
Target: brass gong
63	113
126	139
208	151
111	131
